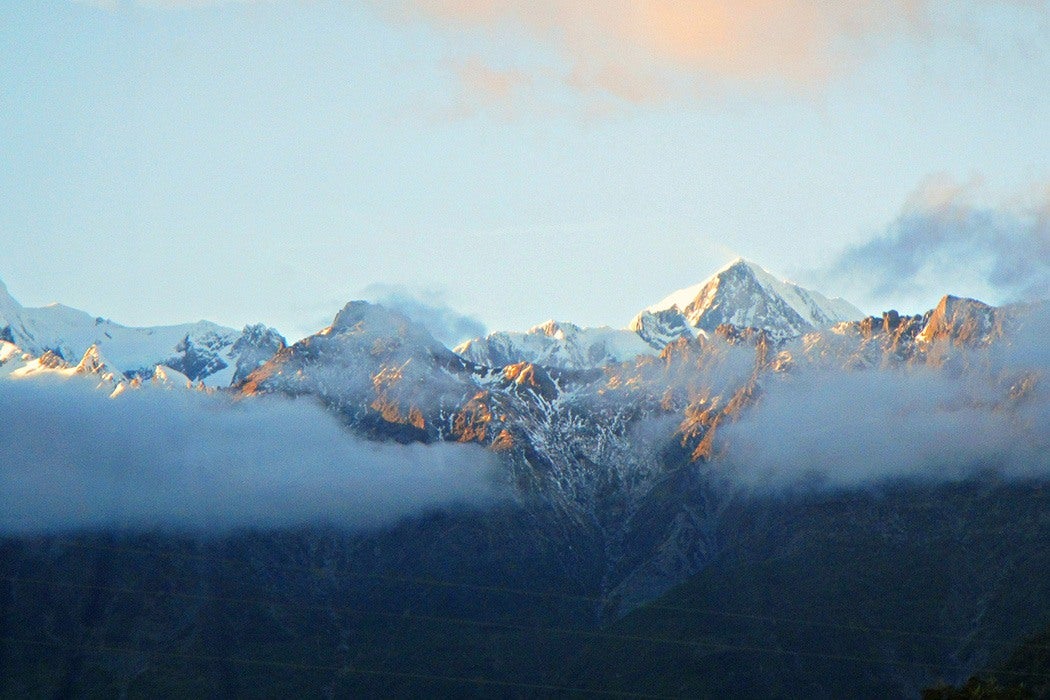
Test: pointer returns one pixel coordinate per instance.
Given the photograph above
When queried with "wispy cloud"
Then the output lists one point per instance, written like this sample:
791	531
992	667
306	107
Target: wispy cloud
945	236
485	87
631	52
428	308
639	51
74	459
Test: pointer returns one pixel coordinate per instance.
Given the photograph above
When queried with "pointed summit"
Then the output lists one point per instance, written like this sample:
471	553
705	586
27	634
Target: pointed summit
92	362
744	294
962	321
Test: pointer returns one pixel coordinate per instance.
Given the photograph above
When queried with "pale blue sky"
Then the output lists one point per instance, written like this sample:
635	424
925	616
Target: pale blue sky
268	161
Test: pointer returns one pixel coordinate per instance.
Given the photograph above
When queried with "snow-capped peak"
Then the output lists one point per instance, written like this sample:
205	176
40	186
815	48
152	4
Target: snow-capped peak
746	295
741	294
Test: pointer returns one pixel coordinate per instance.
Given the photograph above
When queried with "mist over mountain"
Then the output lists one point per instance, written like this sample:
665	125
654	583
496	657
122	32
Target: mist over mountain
531	491
188	462
945	233
429	309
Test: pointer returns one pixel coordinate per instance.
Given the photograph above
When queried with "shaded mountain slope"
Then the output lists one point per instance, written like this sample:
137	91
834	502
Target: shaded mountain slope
875	594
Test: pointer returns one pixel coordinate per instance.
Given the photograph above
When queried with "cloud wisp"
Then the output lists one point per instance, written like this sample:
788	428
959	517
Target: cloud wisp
611	53
73	459
648	51
429	309
944	235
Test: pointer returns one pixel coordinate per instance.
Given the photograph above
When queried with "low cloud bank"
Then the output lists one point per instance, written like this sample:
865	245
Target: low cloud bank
73	459
848	428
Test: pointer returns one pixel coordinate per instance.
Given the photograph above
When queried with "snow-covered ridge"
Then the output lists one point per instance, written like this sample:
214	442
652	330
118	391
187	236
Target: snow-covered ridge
93	371
557	344
202	350
740	294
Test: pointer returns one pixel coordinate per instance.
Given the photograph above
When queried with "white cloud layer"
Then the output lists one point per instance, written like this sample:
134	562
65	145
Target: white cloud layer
837	428
74	459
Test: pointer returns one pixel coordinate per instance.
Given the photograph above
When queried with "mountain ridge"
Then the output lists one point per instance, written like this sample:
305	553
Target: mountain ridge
741	294
202	350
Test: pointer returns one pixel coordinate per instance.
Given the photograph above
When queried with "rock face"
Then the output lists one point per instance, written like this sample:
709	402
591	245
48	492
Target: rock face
961	321
202	351
661	328
377	368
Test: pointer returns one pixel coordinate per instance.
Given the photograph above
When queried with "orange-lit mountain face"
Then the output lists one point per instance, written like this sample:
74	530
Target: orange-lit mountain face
604	445
561	398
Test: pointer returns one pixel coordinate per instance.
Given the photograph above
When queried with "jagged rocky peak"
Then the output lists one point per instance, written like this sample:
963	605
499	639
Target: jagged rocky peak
52	360
737	335
380	370
962	321
890	322
659	328
363	341
385	327
890	325
92	362
745	295
529	376
257	344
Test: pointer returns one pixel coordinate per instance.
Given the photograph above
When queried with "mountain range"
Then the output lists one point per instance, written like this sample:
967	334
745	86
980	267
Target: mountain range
751	490
740	294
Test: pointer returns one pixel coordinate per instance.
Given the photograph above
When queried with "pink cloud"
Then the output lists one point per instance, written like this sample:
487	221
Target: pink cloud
503	92
640	50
